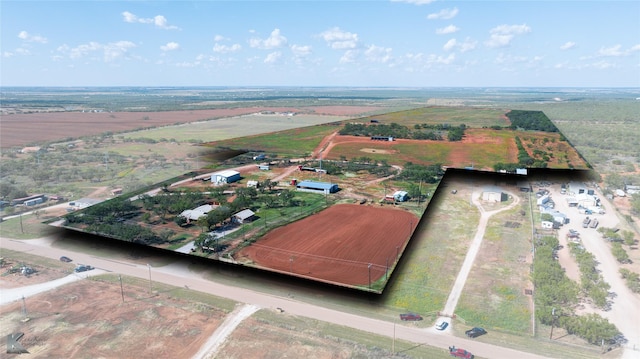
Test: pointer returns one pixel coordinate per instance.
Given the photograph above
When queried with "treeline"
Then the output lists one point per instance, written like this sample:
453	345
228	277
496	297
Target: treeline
416	173
454	133
524	160
556	296
531	120
379	168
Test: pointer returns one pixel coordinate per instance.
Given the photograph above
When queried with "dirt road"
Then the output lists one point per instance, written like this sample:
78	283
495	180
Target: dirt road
474	248
625	308
177	277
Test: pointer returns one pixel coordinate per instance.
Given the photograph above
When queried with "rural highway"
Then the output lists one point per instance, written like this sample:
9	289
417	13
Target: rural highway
181	277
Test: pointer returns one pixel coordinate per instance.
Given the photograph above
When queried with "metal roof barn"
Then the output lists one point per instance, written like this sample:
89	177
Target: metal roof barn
321	187
226	176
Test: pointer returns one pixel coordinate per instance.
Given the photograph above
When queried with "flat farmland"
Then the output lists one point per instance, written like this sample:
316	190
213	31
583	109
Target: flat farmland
35	128
328	246
470	116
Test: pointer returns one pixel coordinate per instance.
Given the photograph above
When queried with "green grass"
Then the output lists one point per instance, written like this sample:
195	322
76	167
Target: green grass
432	262
297	142
494	293
469	116
25	227
227	128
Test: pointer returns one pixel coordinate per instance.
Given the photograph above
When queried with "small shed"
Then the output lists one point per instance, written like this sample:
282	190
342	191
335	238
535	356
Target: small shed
401	196
243	216
547	224
494	195
319	187
223	177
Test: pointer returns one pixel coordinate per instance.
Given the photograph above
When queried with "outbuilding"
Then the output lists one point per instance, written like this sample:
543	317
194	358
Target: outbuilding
243	216
494	195
401	196
318	187
226	176
196	213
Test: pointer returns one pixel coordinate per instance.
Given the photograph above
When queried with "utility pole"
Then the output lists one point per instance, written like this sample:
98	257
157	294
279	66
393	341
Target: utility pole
553	319
121	288
149	266
24	307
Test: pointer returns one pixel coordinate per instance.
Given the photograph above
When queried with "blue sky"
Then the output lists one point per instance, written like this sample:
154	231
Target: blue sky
412	43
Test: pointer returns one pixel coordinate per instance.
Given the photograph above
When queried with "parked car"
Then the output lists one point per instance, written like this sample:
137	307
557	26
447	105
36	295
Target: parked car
65	259
475	332
82	268
410	317
460	353
442	325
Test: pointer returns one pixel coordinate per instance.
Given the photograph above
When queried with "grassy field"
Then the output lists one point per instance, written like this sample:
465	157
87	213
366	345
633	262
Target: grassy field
296	142
470	116
431	262
234	127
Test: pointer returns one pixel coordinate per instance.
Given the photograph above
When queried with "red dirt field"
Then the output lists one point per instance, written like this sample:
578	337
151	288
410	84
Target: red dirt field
330	247
23	129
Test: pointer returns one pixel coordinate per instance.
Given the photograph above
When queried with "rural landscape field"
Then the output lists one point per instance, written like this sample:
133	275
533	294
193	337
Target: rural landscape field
411	267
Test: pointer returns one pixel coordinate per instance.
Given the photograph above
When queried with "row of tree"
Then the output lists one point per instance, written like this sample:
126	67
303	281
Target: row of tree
531	120
454	133
556	297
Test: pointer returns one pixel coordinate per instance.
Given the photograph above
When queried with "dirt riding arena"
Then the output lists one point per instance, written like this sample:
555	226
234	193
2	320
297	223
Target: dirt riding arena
345	244
23	129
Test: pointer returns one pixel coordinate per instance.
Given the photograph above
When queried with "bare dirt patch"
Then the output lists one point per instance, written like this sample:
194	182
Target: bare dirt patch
88	318
328	247
22	129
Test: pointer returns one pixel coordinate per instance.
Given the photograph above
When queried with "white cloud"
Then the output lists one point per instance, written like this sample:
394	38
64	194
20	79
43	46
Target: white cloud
32	38
224	49
444	14
415	2
447	30
159	21
568	45
502	35
613	51
7	54
466	45
340	40
378	54
273	57
349	56
450	45
274	41
617	51
110	51
301	51
218	38
170	46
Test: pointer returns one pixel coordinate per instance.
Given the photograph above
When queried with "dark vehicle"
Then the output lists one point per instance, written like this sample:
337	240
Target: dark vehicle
475	332
83	268
442	325
460	353
65	259
410	317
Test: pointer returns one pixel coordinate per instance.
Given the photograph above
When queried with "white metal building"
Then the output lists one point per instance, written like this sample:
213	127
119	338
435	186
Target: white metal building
226	176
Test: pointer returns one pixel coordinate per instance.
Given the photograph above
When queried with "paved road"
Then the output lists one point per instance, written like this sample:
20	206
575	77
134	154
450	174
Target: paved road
181	277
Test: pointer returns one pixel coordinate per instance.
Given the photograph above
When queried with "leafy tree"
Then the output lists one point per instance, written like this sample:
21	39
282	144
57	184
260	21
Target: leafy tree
628	237
619	252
